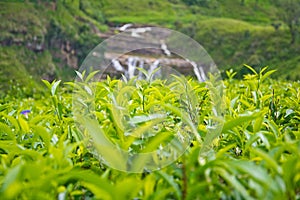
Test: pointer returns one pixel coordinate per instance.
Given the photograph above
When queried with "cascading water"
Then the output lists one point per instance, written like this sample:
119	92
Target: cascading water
159	54
199	72
116	64
164	48
153	66
141	65
132	64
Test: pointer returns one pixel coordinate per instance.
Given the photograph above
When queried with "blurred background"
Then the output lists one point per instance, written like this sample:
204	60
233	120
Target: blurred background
49	39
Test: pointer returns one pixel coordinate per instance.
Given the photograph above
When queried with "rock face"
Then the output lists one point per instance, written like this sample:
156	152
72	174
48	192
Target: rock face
152	49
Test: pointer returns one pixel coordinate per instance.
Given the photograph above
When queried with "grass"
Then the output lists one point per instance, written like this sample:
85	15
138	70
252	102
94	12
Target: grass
144	12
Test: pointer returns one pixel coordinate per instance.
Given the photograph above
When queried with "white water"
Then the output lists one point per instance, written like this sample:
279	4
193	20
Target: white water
140	76
202	74
153	66
199	72
125	26
117	65
136	32
132	64
165	49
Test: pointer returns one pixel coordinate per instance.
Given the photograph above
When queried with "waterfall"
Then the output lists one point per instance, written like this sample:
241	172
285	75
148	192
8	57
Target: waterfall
125	26
165	49
202	73
116	64
158	51
153	66
141	65
134	62
199	72
135	32
131	63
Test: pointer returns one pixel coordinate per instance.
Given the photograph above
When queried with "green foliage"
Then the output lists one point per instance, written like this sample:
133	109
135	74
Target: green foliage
291	16
197	2
54	35
256	156
51	38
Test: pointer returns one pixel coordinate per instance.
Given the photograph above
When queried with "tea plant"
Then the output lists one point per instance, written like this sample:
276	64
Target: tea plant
46	155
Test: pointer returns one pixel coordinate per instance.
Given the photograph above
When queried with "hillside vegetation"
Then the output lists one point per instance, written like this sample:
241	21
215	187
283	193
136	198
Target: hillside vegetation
49	39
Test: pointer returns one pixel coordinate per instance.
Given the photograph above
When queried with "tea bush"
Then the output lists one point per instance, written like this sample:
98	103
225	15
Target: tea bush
256	155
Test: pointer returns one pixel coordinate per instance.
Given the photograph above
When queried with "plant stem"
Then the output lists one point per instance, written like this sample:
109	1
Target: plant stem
184	179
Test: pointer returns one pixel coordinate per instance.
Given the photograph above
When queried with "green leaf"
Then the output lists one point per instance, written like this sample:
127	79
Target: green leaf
268	159
267	74
79	75
234	183
128	188
255	137
258	123
90	76
273	126
246	117
184	118
256	172
146	74
47	84
54	87
14	122
42	132
146	118
105	148
251	69
171	181
6	132
23	124
11	185
100	187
